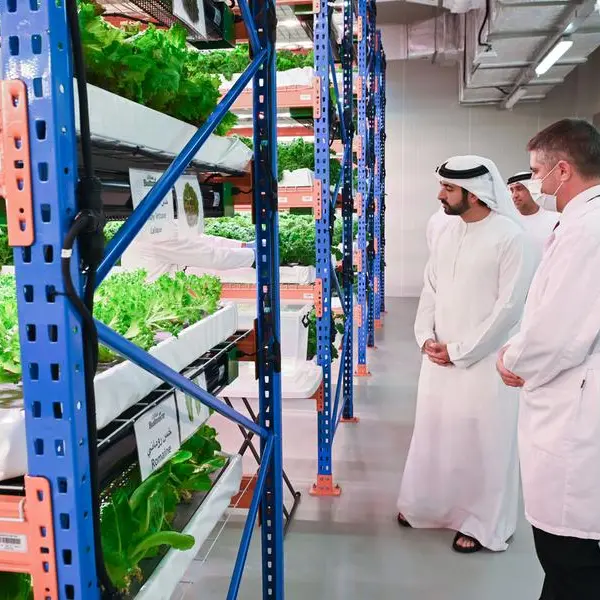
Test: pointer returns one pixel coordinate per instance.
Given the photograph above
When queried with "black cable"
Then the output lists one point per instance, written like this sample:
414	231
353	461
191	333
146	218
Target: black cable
88	229
483	24
79	66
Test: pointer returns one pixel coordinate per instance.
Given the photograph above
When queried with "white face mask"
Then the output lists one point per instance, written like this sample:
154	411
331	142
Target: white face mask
546	201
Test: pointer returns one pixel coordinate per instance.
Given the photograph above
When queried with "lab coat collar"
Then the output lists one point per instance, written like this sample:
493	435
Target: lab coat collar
580	204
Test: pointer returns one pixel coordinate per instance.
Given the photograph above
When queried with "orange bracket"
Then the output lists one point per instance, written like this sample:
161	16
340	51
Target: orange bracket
376	279
325	487
317	97
350	420
358	202
318	199
318	297
378	324
375	247
15	172
359	84
358	314
316	6
319	396
362	371
27	537
360	28
358	259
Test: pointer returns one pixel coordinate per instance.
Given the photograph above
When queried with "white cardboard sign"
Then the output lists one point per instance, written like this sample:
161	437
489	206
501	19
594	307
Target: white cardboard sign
157	436
161	224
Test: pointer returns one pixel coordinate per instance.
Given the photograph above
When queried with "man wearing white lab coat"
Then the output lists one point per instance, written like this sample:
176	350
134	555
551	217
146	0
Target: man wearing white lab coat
538	221
175	254
462	467
555	358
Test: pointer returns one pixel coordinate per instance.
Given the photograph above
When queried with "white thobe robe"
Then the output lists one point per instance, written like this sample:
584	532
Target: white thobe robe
540	226
462	467
173	255
436	224
557	353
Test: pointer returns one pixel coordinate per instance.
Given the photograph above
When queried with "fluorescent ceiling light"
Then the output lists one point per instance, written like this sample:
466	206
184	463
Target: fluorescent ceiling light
557	52
515	97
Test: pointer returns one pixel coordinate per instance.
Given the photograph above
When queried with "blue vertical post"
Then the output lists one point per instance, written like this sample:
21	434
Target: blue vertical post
362	198
324	485
378	182
267	275
36	49
371	175
347	116
383	173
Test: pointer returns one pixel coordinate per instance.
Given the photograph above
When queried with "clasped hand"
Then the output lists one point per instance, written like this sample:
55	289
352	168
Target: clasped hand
509	378
437	353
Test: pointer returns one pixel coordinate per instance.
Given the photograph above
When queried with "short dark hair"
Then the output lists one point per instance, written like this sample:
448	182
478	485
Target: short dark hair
574	140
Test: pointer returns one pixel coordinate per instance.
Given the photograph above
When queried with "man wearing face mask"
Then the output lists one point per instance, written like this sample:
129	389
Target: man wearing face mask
555	359
462	467
536	220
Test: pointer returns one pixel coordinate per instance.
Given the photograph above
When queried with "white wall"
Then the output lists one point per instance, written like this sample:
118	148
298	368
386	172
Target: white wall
425	125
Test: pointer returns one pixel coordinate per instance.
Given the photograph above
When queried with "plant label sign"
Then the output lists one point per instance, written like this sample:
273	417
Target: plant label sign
190	210
161	224
191	12
157	436
192	413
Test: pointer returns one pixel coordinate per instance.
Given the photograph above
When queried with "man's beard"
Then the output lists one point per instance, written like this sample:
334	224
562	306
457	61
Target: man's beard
461	209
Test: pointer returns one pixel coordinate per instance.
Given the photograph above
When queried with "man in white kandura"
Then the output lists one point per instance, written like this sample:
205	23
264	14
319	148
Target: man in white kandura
175	254
462	467
555	358
538	221
436	224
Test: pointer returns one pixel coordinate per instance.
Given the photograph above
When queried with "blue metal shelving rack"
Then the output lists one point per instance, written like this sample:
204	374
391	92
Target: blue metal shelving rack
366	65
330	414
378	174
36	50
382	176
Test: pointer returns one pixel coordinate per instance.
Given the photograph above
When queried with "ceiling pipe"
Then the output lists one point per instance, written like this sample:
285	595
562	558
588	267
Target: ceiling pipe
573	17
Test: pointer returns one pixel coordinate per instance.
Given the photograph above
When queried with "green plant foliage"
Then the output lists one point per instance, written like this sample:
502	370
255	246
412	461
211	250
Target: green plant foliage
153	67
136	517
6	252
231	62
296	235
15	586
337	326
300	154
134	308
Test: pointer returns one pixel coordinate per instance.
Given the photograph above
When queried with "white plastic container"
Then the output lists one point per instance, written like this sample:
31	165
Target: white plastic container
294	335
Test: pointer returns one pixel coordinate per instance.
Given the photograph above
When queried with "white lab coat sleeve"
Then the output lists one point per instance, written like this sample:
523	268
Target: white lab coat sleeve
221	242
202	254
560	331
515	273
425	319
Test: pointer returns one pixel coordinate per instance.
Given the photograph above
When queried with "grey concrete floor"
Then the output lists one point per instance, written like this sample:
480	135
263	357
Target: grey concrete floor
351	547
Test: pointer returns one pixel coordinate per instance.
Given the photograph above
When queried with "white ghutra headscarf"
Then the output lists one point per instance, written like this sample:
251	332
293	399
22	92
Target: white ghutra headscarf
481	177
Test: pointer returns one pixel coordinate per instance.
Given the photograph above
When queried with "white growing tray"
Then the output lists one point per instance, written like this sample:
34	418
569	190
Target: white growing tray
287	275
116	119
121	386
299	379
